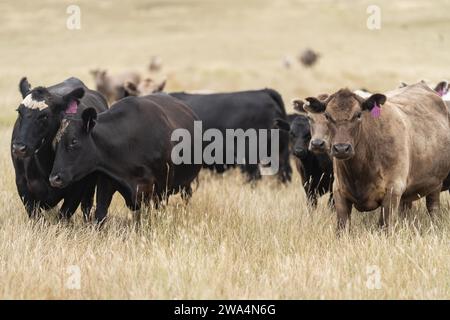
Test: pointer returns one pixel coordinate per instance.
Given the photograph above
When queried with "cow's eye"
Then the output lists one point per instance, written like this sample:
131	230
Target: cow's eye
43	117
73	142
358	115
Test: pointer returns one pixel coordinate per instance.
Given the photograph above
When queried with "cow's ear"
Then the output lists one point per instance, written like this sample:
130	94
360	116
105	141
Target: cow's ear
314	105
24	87
374	101
281	124
160	87
298	105
130	89
89	116
402	84
72	100
441	88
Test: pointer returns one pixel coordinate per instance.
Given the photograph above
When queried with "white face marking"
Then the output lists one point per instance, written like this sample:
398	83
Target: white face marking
28	102
59	134
362	94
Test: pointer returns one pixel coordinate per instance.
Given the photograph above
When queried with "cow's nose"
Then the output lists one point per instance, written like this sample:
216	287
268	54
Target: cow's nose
55	180
299	152
317	143
342	148
19	149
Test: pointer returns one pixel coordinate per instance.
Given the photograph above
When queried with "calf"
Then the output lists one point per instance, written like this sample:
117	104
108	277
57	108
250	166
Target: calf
316	170
39	117
131	144
385	149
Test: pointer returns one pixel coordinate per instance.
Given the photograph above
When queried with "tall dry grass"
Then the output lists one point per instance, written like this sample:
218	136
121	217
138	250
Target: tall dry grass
232	240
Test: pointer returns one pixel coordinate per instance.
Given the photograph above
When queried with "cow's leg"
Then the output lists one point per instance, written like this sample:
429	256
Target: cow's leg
432	201
71	203
186	193
389	206
331	203
105	192
252	171
404	207
87	200
311	196
343	211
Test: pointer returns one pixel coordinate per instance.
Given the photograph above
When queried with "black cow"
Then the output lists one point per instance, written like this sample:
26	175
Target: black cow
316	170
131	144
39	117
242	110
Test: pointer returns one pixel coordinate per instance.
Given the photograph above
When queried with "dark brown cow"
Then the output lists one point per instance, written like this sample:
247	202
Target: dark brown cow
385	150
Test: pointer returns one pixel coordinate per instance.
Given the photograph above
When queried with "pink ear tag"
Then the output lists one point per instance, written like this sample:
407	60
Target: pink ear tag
376	111
73	107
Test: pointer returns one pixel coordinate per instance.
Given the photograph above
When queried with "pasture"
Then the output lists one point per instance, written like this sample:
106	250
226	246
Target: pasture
232	240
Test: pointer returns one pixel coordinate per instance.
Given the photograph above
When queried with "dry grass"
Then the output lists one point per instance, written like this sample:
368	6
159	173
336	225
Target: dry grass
232	240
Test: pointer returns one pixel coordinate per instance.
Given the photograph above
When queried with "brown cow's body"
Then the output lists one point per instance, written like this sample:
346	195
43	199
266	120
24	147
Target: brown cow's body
401	156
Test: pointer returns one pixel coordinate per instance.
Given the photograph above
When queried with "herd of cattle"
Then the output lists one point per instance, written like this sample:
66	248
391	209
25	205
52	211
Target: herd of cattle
366	150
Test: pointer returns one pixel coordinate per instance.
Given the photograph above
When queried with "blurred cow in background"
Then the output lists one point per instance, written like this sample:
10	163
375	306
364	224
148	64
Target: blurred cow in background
112	86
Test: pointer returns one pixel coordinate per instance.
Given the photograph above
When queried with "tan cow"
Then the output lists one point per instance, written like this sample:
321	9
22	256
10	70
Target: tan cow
112	86
385	149
145	87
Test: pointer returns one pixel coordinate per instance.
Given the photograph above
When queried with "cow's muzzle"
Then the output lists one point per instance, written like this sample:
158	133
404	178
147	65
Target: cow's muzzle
317	145
342	151
56	181
19	149
300	153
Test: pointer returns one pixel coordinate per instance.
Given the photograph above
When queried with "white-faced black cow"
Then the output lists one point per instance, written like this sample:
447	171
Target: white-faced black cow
39	117
131	144
316	170
256	109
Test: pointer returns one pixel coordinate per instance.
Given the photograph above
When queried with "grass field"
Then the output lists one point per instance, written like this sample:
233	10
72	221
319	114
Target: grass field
232	240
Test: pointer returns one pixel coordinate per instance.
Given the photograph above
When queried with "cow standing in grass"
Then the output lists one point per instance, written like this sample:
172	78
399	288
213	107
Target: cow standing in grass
39	117
385	150
131	145
316	170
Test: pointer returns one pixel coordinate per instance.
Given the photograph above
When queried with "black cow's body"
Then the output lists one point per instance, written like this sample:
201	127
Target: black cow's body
316	170
33	166
241	110
131	144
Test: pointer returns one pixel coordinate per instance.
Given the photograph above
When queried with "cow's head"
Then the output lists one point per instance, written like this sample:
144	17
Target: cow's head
39	116
75	149
299	134
344	112
299	130
319	141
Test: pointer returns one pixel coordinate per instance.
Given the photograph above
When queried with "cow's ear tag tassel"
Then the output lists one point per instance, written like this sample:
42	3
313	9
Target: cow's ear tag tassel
376	111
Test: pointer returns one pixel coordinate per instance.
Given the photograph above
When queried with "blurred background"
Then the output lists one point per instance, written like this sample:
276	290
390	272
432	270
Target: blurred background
225	45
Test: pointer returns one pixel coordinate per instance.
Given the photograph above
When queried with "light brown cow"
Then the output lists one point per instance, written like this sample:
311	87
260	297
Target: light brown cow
145	87
112	86
385	149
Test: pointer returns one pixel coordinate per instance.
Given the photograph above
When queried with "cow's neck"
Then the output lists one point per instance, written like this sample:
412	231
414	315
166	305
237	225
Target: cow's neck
313	163
44	159
106	146
361	169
